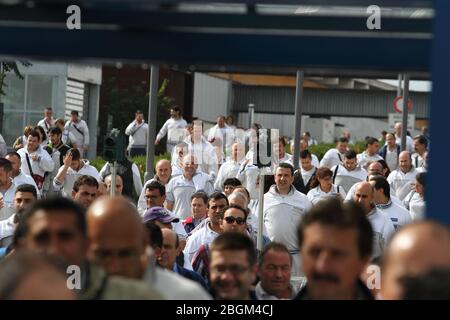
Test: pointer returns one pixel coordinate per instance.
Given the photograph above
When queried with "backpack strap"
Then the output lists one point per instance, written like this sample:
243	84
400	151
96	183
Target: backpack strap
335	173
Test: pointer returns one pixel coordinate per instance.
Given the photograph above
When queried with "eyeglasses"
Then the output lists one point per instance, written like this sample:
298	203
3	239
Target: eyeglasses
231	220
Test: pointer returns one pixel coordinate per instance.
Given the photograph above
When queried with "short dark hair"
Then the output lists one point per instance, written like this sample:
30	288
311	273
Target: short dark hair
218	196
5	164
74	113
48	108
421	178
200	195
76	155
343	140
156	185
27	188
234	182
282	141
138	111
234	206
287	166
55	205
421	139
155	236
305	154
275	246
348	215
176	109
55	130
235	241
381	183
34	133
350	154
370	141
434	284
85	180
15	154
42	131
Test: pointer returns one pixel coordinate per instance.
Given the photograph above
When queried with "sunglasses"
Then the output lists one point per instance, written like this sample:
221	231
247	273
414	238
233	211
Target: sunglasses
231	220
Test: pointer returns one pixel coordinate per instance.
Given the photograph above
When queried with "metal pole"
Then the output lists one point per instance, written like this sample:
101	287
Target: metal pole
405	110
251	114
152	107
112	192
259	240
399	87
298	116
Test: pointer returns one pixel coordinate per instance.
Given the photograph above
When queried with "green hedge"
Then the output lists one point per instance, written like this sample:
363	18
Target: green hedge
140	161
320	149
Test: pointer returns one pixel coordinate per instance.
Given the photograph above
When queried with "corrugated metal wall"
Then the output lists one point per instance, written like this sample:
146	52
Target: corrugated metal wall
330	102
211	97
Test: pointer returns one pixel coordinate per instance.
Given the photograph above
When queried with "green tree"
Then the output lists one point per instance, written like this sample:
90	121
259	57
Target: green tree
7	66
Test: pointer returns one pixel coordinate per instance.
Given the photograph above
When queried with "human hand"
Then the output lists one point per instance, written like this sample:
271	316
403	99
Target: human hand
67	159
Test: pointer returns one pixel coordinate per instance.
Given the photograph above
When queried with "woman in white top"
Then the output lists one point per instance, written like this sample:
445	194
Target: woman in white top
322	187
415	200
43	141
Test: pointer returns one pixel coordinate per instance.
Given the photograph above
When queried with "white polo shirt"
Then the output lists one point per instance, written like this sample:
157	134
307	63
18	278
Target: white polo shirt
398	179
347	179
179	191
201	237
331	158
317	194
364	158
398	215
383	229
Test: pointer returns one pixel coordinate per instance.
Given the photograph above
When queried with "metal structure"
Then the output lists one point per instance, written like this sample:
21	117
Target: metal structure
251	36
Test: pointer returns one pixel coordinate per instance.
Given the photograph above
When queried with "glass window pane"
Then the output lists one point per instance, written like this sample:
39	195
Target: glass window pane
12	126
15	93
39	93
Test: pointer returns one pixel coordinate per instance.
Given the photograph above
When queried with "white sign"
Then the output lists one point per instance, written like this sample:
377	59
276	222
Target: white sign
397	117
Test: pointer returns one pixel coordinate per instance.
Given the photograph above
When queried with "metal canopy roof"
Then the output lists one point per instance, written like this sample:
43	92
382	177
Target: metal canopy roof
244	36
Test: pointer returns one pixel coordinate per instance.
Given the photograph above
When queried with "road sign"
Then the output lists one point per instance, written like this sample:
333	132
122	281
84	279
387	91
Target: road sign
398	104
397	117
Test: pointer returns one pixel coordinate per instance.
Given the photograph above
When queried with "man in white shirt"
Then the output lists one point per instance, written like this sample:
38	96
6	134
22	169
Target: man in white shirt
204	152
275	264
217	204
306	173
174	128
349	173
24	196
181	188
307	137
48	120
67	137
137	130
221	136
398	138
335	156
400	179
230	168
73	168
370	154
382	198
3	147
7	190
17	175
80	130
304	146
35	160
390	152
382	226
284	208
420	146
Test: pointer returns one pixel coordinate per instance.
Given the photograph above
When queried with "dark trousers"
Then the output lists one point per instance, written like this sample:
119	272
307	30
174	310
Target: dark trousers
134	152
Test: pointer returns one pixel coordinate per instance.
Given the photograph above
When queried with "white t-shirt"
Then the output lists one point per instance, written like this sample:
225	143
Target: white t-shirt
8	202
331	158
398	215
317	194
306	175
137	133
347	179
383	229
179	191
228	169
72	176
364	158
398	179
409	143
201	237
175	130
416	205
392	159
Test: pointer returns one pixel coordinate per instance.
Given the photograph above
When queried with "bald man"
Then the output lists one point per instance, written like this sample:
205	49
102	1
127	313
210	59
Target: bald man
415	250
116	237
401	179
163	175
381	224
118	243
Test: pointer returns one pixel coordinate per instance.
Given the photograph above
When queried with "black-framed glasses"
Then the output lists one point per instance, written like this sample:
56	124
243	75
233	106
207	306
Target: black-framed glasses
230	220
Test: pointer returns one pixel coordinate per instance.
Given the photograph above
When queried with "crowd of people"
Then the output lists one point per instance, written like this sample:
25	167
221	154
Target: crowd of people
193	231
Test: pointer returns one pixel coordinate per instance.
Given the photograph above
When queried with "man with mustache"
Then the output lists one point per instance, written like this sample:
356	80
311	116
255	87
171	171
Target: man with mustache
335	242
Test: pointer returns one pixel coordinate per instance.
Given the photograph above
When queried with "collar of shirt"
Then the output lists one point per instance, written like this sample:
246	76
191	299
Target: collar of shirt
372	212
263	295
385	205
